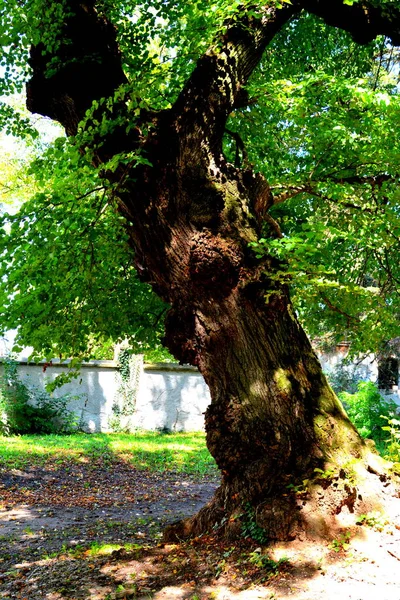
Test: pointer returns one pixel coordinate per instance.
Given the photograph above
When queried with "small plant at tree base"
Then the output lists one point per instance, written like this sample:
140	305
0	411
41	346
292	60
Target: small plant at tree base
222	563
327	474
27	410
250	528
263	561
299	489
374	519
302	488
341	543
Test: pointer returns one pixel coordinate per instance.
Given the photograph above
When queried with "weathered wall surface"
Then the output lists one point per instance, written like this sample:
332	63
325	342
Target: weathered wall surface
366	368
173	398
170	397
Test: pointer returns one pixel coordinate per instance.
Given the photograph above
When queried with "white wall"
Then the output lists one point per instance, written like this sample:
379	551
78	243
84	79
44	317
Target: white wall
367	368
175	398
169	396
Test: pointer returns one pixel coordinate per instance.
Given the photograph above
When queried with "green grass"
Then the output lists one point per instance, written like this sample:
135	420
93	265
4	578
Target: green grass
182	452
94	549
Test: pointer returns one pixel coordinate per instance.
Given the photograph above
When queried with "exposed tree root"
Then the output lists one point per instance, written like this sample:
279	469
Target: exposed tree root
316	509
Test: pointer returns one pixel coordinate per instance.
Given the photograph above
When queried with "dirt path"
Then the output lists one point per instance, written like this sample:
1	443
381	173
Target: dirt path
89	532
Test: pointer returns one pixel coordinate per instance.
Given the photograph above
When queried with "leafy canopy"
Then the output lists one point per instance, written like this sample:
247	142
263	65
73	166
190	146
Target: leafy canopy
322	125
69	284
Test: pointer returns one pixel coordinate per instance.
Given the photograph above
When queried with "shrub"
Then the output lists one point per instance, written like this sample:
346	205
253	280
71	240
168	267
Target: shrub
368	410
27	410
392	448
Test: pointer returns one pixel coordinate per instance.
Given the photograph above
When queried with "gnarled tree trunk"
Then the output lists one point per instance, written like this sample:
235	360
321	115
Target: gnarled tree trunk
273	419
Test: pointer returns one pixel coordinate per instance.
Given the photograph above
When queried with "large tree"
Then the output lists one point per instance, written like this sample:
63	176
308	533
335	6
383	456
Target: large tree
145	90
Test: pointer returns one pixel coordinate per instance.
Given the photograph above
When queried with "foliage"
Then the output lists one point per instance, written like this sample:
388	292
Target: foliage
27	410
373	519
321	474
320	106
392	448
335	186
299	489
158	354
250	528
130	366
368	410
70	271
129	371
342	543
15	182
263	561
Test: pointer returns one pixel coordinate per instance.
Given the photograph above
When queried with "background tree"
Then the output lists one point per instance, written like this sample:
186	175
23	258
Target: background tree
145	92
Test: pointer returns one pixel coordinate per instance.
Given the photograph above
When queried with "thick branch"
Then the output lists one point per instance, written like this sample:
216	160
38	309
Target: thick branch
362	20
87	67
291	192
241	152
215	87
88	62
375	181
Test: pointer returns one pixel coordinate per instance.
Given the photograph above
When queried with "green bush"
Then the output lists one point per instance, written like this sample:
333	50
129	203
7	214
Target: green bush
368	410
27	410
392	443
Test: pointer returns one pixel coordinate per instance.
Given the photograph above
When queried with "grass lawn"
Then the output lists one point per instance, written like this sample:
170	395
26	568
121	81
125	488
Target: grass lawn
181	452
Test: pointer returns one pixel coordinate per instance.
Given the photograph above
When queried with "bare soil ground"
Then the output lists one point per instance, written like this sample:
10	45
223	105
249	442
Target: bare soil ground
93	532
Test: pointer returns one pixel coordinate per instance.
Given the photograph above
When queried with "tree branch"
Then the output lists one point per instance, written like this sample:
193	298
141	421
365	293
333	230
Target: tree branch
215	87
291	192
240	147
375	181
363	20
86	67
334	308
274	225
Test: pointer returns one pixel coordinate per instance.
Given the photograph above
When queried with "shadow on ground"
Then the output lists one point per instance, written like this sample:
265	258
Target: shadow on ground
92	531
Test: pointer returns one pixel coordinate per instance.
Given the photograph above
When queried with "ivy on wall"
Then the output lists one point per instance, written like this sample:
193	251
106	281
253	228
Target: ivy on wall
128	378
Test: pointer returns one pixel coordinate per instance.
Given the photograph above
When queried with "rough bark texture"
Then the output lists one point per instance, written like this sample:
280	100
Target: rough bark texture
273	418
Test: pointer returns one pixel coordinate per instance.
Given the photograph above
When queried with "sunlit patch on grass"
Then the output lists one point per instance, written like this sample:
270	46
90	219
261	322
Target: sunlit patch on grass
179	452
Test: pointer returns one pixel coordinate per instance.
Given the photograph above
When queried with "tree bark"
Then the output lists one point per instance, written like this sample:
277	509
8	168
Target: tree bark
273	419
